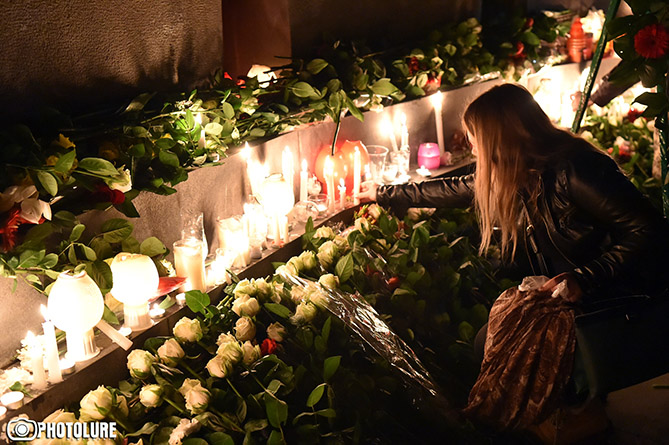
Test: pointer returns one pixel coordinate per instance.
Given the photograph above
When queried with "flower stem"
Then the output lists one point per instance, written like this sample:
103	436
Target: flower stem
121	423
174	405
233	388
193	373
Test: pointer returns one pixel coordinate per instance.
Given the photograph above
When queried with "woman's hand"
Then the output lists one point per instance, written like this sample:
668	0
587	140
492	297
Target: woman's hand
368	191
573	291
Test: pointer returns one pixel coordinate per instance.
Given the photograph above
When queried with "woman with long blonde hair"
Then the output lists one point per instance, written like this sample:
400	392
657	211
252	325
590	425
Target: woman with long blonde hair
554	198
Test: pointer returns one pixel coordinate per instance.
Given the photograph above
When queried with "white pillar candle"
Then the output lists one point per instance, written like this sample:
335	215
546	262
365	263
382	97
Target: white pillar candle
36	355
436	100
287	166
51	348
181	299
342	194
156	312
276	229
304	181
328	174
12	399
283	227
189	263
114	335
357	165
67	366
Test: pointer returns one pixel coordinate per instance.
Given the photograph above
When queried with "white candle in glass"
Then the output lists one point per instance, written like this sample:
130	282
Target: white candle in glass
304	181
357	164
189	263
436	100
342	194
388	129
287	166
51	348
201	143
328	174
283	227
67	366
12	399
36	355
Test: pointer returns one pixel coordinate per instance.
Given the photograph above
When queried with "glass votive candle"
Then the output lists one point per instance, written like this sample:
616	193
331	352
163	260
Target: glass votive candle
12	399
67	365
189	263
321	201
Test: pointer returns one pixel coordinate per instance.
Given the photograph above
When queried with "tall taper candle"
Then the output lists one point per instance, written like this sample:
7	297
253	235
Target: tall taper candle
51	349
36	355
357	166
436	100
304	181
328	173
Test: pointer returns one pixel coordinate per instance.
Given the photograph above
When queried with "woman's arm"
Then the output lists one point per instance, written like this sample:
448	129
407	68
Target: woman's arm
443	192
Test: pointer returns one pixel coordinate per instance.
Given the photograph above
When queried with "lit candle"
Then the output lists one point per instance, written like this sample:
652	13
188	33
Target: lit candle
156	312
342	194
189	263
356	175
388	129
253	170
287	166
404	131
368	173
328	173
436	100
304	181
36	355
283	227
12	399
201	143
51	348
67	366
114	335
181	299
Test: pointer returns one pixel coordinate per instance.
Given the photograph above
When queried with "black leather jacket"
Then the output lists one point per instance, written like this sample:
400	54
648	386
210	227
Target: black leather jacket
589	220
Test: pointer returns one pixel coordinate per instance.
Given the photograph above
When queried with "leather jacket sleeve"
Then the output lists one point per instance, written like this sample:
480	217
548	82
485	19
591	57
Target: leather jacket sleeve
442	192
638	231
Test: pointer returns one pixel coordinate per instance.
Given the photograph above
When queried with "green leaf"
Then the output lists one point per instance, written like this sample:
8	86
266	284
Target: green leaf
278	309
137	150
139	102
190	120
165	143
213	128
257	133
49	261
466	331
220	438
198	301
383	87
101	273
344	268
330	366
167	303
277	410
109	316
33	279
102	248
152	246
65	162
98	166
316	66
328	412
168	158
48	182
116	230
88	252
76	232
194	441
130	245
530	38
276	438
303	89
31	258
316	395
228	110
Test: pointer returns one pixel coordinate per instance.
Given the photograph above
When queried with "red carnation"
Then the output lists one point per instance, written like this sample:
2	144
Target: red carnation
520	51
414	65
652	41
268	346
633	114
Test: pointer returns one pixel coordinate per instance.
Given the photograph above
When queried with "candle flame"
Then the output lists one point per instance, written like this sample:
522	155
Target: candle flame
402	118
198	118
304	165
435	99
387	127
30	337
341	183
328	166
357	150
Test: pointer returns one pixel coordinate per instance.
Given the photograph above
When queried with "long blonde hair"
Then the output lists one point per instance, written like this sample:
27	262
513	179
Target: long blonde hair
515	142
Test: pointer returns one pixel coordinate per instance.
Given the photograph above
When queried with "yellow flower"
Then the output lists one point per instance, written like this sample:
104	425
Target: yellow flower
108	150
51	160
64	142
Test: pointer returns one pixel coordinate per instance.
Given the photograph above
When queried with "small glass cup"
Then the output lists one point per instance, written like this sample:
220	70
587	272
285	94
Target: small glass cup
321	202
377	161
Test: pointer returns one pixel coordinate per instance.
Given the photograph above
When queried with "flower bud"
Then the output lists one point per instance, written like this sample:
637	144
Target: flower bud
187	330
324	232
230	351
139	363
244	287
251	352
327	254
304	313
374	210
329	281
95	405
276	331
151	395
245	306
308	259
219	367
171	352
245	329
197	397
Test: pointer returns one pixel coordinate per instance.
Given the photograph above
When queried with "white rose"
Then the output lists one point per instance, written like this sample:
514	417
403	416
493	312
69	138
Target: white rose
341	242
251	352
277	292
639	122
245	305
122	405
319	298
329	281
304	313
245	329
139	363
297	294
374	211
244	287
362	224
197	397
171	352
296	263
230	351
219	367
263	288
324	232
187	330
60	415
308	259
32	210
285	271
96	404
327	254
151	395
276	331
225	338
121	182
587	136
185	428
